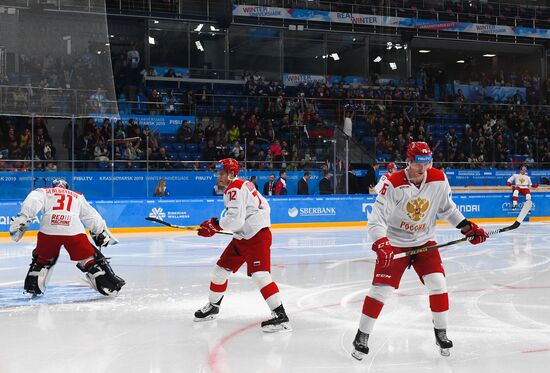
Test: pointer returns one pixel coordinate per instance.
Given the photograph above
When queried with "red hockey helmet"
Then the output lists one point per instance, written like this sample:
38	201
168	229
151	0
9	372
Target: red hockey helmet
419	152
390	167
60	183
229	164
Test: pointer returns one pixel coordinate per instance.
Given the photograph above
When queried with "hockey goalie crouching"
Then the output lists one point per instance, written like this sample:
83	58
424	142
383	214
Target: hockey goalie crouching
64	215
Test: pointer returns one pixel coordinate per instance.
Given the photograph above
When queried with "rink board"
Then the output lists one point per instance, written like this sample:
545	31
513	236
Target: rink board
131	213
180	185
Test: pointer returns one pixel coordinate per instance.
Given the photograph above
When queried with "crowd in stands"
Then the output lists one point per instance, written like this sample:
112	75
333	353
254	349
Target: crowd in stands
482	136
16	139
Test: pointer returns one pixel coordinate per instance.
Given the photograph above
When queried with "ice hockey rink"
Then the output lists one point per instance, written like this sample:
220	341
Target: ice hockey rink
499	318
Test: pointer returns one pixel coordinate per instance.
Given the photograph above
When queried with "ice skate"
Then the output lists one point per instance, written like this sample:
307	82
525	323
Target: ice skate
360	348
279	322
443	342
208	312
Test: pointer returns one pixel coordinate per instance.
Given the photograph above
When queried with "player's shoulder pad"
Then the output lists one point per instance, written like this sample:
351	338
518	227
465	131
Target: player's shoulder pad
235	184
433	174
398	179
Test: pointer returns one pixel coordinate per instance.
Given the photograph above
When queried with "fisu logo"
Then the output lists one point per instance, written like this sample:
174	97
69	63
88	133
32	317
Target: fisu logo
157	213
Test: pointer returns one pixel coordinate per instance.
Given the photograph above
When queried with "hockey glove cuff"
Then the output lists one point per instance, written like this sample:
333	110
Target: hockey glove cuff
208	228
475	234
384	252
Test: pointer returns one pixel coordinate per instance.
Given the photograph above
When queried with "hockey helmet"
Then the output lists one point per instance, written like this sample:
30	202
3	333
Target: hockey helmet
60	183
419	152
229	164
390	167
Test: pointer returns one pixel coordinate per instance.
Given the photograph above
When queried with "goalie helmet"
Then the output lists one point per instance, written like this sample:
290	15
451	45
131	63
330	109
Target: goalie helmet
229	164
419	152
60	183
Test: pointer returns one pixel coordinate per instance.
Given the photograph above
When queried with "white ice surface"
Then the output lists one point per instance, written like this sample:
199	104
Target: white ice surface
499	319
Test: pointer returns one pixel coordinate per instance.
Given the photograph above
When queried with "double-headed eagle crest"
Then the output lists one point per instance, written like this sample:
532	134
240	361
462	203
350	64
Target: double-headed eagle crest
416	208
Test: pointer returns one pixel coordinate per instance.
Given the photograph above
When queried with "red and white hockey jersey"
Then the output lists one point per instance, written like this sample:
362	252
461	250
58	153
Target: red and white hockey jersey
381	182
407	214
64	212
246	210
521	181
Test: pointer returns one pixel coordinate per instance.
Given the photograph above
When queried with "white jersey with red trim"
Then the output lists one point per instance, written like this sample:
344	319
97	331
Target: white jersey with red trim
383	179
246	210
521	181
407	214
64	212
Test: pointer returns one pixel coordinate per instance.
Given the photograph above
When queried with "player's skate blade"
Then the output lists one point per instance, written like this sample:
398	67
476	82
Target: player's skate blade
360	348
209	312
443	342
279	322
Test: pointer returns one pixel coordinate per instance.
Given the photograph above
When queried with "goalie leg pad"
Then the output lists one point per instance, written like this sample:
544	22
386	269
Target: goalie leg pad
101	276
38	275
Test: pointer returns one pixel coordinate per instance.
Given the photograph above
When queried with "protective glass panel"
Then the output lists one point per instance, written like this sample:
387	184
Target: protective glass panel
55	62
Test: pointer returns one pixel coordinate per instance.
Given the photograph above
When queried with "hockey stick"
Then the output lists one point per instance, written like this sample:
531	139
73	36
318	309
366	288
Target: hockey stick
522	214
187	228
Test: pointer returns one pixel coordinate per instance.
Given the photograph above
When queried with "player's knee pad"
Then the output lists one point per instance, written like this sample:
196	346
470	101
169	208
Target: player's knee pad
515	193
380	292
436	283
262	279
528	197
220	275
38	275
101	275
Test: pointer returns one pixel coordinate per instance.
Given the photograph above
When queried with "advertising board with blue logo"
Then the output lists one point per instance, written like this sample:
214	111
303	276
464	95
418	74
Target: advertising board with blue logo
165	124
179	184
138	184
128	213
387	21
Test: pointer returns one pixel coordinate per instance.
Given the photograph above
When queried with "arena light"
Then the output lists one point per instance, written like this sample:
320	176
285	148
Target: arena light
212	28
460	61
424	51
156	22
199	27
335	56
393	65
199	46
398	46
152	40
378	59
389	45
489	55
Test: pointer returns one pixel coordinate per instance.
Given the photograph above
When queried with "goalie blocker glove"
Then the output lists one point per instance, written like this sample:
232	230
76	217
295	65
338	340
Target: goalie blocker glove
18	227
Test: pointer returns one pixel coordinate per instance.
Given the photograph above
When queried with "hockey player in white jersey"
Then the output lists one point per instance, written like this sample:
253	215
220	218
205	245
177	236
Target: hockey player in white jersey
520	183
247	215
65	213
391	169
404	218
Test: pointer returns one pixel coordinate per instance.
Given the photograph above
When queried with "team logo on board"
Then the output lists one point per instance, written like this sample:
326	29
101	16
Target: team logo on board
416	209
157	213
